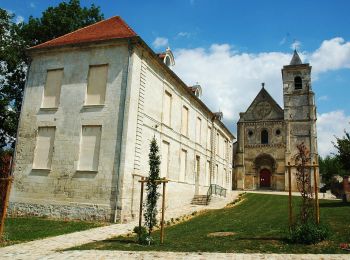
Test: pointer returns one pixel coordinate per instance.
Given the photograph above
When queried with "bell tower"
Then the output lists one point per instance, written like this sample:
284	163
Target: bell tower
299	109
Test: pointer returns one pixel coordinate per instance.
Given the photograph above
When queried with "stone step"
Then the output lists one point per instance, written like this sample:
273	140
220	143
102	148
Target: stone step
200	200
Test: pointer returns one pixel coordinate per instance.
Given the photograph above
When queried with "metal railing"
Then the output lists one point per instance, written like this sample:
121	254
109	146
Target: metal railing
215	189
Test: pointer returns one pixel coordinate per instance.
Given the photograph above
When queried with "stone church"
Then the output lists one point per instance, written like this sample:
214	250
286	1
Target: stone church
267	135
93	100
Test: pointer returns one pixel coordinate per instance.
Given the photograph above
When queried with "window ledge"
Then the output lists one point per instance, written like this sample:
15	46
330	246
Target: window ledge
41	169
93	106
86	171
49	108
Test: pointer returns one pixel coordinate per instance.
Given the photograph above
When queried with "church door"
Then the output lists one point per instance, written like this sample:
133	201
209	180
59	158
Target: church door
265	178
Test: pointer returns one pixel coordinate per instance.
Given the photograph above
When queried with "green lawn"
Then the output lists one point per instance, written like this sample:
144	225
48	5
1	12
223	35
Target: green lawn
18	230
260	224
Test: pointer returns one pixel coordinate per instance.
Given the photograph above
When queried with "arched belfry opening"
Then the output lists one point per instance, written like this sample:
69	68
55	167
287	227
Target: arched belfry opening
298	82
264	136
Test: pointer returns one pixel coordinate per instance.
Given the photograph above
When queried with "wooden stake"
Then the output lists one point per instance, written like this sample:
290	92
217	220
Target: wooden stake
317	206
162	222
141	202
7	196
290	194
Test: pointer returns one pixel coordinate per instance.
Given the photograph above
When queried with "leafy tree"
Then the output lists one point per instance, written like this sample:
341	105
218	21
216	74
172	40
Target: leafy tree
329	168
15	39
343	147
59	20
152	187
12	77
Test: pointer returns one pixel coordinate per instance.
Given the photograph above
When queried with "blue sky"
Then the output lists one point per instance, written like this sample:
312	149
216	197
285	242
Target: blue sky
248	41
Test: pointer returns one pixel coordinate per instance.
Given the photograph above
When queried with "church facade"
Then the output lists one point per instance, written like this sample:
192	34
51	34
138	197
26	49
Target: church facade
93	101
268	135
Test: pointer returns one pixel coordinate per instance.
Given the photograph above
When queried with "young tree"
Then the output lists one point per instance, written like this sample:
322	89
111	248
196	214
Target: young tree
15	39
303	177
152	187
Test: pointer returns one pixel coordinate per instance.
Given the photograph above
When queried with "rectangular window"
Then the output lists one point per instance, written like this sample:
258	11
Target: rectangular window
224	179
183	165
225	149
167	108
96	88
90	148
217	144
209	138
184	126
52	89
198	130
207	174
165	159
216	174
44	148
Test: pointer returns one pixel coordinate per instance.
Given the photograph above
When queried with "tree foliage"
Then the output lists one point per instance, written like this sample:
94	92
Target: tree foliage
152	187
330	167
343	147
15	39
12	77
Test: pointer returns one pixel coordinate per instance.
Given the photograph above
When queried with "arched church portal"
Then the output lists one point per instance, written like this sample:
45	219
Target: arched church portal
265	166
265	178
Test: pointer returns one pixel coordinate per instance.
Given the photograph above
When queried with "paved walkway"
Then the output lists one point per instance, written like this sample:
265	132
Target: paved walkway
321	195
106	254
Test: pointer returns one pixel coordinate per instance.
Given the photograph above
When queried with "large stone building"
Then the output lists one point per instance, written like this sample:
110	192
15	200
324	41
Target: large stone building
267	135
93	100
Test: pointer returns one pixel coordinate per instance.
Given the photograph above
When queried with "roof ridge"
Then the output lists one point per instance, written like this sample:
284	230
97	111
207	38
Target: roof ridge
70	32
116	18
126	25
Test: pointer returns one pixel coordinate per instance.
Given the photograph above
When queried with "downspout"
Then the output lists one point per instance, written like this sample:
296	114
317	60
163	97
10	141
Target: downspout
120	131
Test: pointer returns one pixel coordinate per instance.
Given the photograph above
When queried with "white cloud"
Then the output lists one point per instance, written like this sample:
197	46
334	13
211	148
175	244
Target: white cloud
283	41
160	42
231	79
183	34
32	5
329	125
323	98
333	54
19	19
295	45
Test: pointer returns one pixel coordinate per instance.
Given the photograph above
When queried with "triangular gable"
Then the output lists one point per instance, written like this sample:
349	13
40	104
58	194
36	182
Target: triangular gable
263	107
112	28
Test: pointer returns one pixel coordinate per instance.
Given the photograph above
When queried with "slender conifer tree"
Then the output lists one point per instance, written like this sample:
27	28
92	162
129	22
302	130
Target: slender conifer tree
152	187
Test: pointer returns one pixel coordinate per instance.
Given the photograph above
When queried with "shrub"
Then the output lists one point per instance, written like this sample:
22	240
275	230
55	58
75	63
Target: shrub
308	233
142	235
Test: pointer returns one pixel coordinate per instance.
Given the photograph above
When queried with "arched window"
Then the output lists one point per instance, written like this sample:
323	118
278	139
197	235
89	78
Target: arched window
298	83
264	137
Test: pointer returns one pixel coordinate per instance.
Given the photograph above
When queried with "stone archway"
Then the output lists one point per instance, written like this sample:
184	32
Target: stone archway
265	166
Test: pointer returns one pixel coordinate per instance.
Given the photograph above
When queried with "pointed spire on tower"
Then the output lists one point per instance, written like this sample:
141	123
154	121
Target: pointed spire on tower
296	59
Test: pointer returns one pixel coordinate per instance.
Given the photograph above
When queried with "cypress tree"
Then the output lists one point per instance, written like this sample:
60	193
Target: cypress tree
150	214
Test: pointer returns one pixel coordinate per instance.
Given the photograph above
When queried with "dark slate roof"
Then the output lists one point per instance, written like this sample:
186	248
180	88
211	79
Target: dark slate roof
296	59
